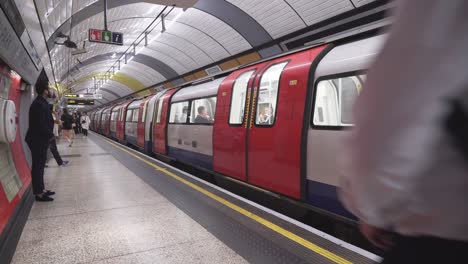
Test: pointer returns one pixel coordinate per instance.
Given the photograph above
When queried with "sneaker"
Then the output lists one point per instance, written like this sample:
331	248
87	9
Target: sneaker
44	198
65	163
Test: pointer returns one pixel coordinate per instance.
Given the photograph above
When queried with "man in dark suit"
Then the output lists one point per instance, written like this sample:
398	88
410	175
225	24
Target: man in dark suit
202	117
39	136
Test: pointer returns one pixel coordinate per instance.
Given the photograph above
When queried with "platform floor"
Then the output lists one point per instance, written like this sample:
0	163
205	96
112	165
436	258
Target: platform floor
114	205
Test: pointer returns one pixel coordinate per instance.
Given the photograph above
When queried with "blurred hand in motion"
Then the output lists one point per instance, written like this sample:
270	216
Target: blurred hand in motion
379	237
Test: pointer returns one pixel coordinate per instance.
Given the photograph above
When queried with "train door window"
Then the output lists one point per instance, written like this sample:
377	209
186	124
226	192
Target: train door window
114	115
136	112
268	95
334	101
129	115
179	113
159	109
143	116
238	99
203	111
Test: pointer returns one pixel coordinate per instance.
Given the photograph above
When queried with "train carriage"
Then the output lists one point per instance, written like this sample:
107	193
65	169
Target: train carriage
276	124
190	132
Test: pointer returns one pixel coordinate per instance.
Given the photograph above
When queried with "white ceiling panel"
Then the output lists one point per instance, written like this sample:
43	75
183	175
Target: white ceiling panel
276	16
142	73
117	87
230	39
205	42
314	11
169	60
181	55
196	52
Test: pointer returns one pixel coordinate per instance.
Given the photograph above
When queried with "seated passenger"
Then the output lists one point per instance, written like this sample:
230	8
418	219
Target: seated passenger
183	117
265	117
202	117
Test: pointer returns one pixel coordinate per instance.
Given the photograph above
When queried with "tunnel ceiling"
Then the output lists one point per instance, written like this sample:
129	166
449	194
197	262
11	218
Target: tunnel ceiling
198	33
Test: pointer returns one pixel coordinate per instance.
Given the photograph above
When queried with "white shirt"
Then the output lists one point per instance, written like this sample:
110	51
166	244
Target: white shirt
85	125
400	170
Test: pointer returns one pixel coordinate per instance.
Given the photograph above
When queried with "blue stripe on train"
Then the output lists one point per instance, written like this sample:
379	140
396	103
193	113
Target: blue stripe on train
325	196
320	195
148	147
131	140
194	158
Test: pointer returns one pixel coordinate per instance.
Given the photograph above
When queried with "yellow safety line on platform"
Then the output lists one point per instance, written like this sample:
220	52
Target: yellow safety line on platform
317	249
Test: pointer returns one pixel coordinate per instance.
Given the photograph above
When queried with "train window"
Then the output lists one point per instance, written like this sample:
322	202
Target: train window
334	101
143	117
129	115
136	112
203	111
179	113
159	109
238	98
113	116
268	95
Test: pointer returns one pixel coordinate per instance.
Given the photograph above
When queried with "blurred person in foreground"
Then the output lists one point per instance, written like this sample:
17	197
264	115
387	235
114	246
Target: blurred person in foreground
38	137
404	175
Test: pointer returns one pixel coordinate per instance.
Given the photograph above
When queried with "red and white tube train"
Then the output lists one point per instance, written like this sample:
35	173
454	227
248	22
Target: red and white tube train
276	124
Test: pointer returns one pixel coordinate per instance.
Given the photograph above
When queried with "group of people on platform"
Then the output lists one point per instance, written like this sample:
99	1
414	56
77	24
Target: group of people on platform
45	127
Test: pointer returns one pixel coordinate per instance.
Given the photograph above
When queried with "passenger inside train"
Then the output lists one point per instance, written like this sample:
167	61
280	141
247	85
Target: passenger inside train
202	116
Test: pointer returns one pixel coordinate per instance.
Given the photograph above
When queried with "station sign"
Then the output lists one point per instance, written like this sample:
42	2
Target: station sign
80	102
106	37
84	96
90	96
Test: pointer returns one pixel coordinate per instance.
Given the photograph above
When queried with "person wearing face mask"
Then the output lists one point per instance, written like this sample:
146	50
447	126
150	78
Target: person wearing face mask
39	136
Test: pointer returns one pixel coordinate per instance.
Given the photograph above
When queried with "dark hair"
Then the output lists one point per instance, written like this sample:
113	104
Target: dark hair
200	109
65	111
42	83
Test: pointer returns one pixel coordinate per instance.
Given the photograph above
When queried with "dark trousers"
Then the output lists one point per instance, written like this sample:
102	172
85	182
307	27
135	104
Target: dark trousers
39	158
85	132
412	250
55	153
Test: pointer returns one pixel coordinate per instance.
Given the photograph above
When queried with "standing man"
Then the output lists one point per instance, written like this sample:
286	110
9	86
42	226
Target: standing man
39	136
85	121
403	175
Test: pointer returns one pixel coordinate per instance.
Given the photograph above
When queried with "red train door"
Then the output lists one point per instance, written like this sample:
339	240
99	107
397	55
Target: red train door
160	122
229	137
120	133
141	123
276	122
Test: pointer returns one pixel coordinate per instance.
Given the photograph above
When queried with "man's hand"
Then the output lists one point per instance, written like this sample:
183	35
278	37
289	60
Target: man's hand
377	236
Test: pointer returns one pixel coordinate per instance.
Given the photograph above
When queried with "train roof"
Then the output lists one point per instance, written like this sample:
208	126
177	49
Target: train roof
353	56
198	91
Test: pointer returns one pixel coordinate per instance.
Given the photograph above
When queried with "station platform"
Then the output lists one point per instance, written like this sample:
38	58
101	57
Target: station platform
115	205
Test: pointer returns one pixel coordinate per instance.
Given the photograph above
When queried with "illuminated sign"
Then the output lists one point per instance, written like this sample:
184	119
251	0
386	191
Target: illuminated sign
106	37
80	102
84	96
